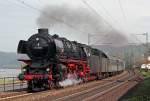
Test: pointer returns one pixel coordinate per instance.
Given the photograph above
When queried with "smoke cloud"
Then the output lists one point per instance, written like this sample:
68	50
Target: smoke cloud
82	19
71	80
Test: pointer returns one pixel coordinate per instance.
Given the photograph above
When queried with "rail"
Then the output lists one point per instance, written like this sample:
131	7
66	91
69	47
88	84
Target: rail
12	84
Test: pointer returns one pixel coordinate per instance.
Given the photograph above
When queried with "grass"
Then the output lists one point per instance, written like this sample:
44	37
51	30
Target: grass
145	73
140	92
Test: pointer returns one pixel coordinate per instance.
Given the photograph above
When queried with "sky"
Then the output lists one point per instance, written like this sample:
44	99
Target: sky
19	22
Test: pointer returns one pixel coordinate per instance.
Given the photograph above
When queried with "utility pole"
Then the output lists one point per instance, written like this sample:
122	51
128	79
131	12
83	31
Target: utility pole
131	55
147	46
147	51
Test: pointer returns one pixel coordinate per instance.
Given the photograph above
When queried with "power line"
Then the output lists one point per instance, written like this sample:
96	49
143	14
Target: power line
137	38
107	12
93	10
122	10
13	2
39	10
106	22
124	16
59	20
125	19
96	13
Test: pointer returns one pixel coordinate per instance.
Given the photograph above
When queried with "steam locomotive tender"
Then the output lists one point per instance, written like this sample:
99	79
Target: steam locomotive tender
51	59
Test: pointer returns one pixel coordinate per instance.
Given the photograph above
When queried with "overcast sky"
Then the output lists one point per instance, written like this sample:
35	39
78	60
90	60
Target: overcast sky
18	21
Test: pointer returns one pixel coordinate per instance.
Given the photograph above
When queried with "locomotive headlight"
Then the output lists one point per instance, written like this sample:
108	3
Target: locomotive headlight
24	70
47	69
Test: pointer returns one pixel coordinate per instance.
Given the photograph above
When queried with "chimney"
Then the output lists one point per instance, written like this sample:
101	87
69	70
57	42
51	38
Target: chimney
43	31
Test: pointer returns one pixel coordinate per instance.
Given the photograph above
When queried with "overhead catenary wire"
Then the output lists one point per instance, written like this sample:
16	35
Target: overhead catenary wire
39	10
96	13
61	21
137	38
14	3
108	14
71	26
123	12
46	14
105	21
125	20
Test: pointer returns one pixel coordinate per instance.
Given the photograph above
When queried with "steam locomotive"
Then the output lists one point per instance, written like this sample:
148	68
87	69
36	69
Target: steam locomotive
50	60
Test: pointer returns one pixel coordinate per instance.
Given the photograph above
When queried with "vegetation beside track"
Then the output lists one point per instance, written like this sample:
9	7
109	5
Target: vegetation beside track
141	92
145	73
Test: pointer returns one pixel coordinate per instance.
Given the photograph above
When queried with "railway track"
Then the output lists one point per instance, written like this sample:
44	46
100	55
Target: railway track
117	91
91	94
70	92
96	97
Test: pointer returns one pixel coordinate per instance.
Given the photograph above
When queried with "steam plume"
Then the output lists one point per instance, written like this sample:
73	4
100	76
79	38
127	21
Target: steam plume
82	19
71	80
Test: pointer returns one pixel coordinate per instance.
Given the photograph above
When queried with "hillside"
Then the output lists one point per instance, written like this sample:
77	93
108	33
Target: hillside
130	53
8	60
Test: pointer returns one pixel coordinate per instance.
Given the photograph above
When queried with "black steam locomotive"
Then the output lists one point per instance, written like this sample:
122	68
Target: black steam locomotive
50	60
